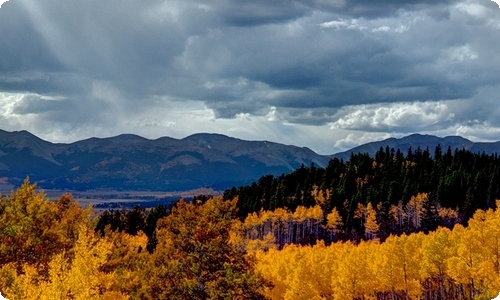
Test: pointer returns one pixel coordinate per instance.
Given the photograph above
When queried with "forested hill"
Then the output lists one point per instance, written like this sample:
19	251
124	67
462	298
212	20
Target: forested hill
444	182
423	141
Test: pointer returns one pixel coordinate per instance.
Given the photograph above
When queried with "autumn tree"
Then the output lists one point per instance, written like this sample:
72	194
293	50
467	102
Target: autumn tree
33	229
334	223
436	249
415	209
194	258
126	260
371	224
398	214
72	275
397	265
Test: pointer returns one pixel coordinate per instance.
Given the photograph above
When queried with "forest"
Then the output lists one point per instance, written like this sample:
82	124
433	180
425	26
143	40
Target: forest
408	193
414	226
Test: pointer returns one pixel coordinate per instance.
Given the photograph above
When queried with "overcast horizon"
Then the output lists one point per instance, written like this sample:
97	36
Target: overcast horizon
327	75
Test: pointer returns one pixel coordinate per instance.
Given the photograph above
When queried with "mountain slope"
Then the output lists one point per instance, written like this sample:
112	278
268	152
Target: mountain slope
132	162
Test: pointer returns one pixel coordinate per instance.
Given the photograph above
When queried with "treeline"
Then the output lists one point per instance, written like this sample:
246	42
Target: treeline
459	180
305	226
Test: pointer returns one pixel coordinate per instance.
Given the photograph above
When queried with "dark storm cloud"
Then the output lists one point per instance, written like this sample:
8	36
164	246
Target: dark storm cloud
312	62
253	13
381	8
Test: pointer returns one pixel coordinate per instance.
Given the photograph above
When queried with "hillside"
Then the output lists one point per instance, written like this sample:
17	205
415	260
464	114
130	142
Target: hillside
134	163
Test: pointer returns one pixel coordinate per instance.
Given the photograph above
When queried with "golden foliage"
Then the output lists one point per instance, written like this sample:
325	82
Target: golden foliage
33	229
73	275
461	263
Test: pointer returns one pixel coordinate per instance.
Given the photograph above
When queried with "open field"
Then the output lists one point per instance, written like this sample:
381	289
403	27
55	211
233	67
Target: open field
108	199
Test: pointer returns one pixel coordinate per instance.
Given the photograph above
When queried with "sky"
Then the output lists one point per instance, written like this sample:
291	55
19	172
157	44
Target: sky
323	74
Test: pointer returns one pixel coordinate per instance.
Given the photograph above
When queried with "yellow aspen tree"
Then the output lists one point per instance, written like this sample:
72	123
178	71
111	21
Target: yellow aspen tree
276	266
311	276
57	285
491	247
415	209
284	220
127	257
371	225
75	277
314	220
299	278
398	214
369	283
251	226
436	250
360	213
486	230
334	223
8	274
300	272
236	235
389	266
349	281
320	197
322	266
486	224
268	242
411	259
464	261
266	220
33	228
334	258
447	215
397	266
25	286
345	279
299	218
85	281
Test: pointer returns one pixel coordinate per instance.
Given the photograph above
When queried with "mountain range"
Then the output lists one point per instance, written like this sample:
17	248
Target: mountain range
131	162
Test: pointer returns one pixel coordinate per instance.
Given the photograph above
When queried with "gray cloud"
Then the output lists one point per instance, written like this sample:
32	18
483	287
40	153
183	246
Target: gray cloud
385	66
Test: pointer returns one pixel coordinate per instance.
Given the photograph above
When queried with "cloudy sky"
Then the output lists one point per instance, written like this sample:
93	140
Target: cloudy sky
326	74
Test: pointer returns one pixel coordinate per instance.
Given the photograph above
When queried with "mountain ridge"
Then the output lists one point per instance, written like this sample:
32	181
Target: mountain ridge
132	162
